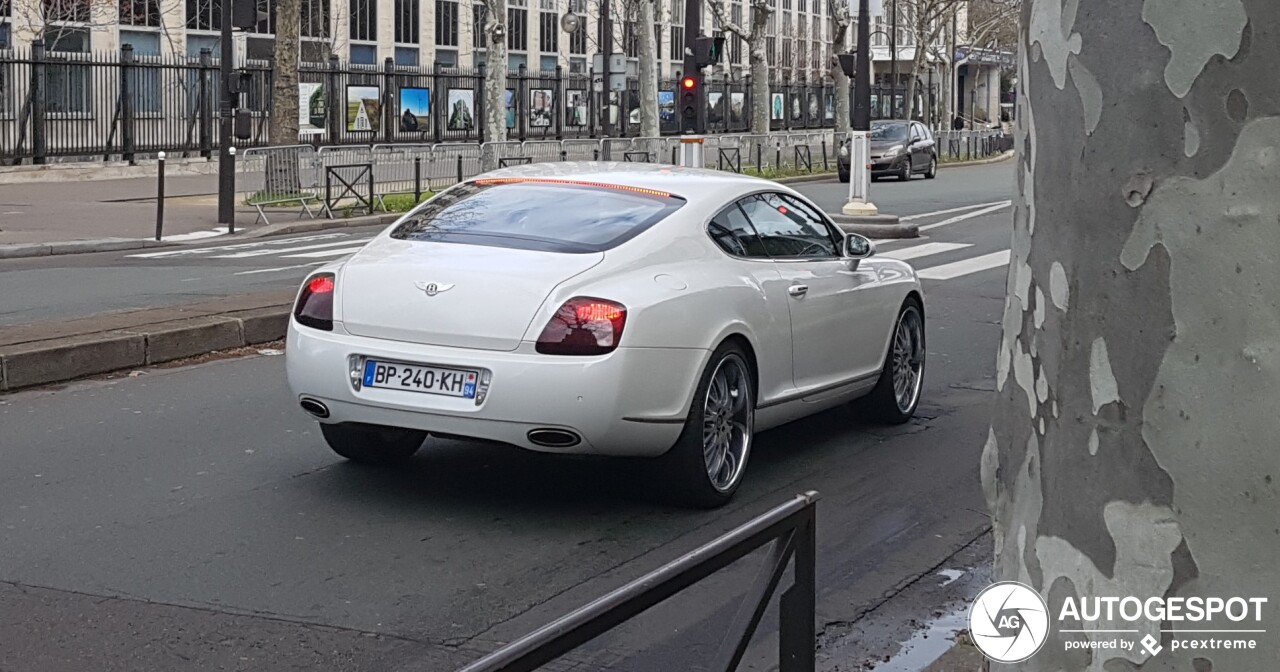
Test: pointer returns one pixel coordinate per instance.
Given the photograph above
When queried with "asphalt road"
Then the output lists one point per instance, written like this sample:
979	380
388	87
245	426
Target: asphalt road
62	287
192	519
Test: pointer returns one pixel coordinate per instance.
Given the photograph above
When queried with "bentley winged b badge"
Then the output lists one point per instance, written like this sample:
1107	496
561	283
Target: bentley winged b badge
432	288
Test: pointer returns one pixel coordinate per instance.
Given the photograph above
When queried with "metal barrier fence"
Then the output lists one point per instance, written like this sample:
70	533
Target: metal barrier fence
127	105
362	176
790	530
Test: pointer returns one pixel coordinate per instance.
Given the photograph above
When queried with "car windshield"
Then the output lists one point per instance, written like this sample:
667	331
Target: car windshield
544	215
891	132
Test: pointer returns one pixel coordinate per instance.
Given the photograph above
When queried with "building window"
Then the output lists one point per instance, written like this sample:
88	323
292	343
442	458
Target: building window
677	43
364	20
204	15
407	22
314	15
446	23
478	12
787	56
407	56
364	54
140	13
66	82
70	12
549	35
630	39
578	39
517	26
144	80
266	26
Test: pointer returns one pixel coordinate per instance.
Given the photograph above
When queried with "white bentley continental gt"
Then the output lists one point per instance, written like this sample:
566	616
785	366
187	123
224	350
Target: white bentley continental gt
606	308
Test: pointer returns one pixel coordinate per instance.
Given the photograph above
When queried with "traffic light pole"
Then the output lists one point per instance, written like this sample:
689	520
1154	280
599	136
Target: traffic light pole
859	142
226	169
606	48
692	30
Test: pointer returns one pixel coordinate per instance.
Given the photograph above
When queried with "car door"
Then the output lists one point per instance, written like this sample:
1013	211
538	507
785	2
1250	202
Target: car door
821	290
919	154
770	319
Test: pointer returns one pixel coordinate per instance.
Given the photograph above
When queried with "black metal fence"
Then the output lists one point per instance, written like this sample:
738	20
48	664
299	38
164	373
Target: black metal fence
59	104
789	529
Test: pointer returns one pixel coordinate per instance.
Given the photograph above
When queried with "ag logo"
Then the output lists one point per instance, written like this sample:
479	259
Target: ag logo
1009	622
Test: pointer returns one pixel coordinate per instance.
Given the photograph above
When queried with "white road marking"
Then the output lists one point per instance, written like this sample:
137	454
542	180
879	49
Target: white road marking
324	253
960	218
260	253
282	268
196	235
952	211
917	251
241	246
961	268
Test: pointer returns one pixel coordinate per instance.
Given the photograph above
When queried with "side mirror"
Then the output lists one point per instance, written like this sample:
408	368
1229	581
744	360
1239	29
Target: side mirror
858	247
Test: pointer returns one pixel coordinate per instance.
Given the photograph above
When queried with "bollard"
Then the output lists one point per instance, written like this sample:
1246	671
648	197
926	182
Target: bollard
459	169
231	221
160	196
825	165
417	179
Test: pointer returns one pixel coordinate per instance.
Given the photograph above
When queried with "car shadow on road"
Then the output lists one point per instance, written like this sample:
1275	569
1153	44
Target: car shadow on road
454	475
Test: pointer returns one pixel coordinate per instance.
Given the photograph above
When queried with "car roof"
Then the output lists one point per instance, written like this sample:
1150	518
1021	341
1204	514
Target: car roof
688	183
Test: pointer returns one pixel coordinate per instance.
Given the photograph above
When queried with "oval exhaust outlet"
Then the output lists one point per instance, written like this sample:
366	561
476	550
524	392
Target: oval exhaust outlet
554	438
315	408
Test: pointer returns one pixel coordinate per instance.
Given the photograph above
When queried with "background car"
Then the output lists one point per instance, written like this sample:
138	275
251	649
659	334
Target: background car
901	148
614	309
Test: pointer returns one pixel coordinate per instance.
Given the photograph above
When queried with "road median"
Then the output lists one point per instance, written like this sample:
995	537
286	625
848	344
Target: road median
54	352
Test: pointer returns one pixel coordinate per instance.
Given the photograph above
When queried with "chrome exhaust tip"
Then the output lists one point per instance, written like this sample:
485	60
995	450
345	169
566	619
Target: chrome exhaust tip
314	407
554	438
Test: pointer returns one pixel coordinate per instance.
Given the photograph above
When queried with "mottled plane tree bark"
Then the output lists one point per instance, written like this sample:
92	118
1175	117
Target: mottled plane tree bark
1133	448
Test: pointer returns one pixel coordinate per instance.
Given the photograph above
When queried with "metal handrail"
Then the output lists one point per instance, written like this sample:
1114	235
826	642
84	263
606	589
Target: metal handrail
792	529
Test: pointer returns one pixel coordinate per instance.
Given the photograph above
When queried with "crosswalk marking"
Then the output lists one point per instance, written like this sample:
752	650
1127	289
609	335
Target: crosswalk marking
186	252
965	266
324	253
256	271
261	253
971	215
952	211
924	250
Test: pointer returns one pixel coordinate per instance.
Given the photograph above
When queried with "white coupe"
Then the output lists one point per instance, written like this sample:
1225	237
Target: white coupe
606	308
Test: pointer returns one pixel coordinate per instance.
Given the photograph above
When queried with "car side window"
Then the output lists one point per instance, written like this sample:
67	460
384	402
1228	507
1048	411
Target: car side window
788	228
733	233
915	133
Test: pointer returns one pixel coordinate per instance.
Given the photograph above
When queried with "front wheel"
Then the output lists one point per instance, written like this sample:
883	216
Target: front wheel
706	464
895	397
843	173
933	168
373	444
905	173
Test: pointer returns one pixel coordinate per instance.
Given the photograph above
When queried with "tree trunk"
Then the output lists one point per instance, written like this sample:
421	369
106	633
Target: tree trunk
842	100
281	174
840	23
757	59
1132	451
648	73
495	76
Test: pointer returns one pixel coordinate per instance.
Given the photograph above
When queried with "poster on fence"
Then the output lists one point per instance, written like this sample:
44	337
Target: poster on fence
462	109
510	97
779	106
416	114
814	110
540	107
667	107
715	113
737	105
831	106
576	109
364	108
797	112
311	109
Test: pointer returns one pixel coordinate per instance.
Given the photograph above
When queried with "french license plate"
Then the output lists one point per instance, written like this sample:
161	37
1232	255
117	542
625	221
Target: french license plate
419	378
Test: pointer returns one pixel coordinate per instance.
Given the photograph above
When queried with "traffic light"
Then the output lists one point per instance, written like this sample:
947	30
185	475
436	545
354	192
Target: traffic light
707	51
690	108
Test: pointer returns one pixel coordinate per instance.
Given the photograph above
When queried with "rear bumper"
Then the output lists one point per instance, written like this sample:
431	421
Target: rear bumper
630	402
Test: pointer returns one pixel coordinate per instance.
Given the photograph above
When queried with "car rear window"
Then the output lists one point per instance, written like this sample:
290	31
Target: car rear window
542	215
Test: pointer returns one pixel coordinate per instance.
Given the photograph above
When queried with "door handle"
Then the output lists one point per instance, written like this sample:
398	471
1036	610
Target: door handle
797	290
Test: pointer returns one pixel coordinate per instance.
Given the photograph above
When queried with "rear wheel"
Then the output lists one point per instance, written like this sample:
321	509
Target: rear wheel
895	397
706	464
373	444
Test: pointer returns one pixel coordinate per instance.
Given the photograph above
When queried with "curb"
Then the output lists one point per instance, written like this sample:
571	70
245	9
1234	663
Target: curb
61	359
980	162
876	226
23	250
324	225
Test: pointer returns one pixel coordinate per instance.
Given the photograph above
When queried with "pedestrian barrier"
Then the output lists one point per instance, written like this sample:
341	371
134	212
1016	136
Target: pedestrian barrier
790	532
278	177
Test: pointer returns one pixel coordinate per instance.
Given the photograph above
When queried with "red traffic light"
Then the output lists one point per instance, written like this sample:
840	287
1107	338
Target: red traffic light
688	82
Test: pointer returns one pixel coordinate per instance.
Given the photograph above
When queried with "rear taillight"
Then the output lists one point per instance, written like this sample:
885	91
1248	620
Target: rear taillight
584	326
315	304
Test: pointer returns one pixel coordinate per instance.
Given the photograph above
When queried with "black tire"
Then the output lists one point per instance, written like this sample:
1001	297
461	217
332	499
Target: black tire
905	173
843	174
684	468
373	444
933	168
882	405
